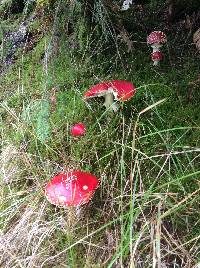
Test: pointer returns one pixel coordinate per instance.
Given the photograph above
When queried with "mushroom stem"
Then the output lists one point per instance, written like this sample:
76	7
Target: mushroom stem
155	48
71	218
109	102
156	62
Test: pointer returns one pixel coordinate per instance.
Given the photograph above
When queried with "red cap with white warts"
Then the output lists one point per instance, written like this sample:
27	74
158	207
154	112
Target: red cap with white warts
74	188
116	89
156	37
122	90
156	56
97	90
78	129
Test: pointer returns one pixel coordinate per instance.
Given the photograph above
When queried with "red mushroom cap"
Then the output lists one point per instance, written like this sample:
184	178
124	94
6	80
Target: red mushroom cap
78	129
122	90
156	37
97	90
157	55
74	188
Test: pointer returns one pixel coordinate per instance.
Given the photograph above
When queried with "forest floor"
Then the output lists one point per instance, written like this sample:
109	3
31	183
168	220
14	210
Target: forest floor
145	212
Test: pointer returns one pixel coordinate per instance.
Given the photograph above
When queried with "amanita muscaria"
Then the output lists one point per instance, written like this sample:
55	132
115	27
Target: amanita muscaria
71	189
78	129
156	57
119	90
156	40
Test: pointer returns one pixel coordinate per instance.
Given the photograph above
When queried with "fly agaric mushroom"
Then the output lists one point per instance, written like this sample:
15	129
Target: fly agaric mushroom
74	188
156	40
117	89
78	129
156	57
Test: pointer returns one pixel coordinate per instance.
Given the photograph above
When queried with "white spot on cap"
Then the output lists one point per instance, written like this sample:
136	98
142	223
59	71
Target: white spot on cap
85	187
62	199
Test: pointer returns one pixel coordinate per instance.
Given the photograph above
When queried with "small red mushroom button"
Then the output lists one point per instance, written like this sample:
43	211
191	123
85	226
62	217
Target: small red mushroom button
74	188
156	57
78	129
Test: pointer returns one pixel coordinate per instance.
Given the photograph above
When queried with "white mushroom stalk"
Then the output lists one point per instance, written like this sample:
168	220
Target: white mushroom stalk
109	100
156	62
156	47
